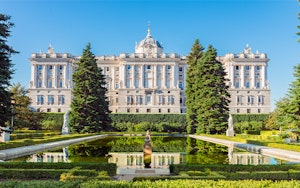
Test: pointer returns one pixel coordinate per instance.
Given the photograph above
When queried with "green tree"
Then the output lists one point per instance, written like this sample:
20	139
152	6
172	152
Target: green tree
192	61
289	108
89	108
211	94
24	117
6	70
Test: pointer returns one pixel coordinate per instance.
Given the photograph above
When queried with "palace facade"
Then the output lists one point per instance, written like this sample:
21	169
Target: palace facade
148	80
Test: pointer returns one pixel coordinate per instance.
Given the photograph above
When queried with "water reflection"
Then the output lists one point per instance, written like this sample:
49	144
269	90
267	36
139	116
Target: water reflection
135	160
128	151
51	157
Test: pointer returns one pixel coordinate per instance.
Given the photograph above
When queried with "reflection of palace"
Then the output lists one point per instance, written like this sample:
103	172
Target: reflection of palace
148	80
50	157
247	158
136	159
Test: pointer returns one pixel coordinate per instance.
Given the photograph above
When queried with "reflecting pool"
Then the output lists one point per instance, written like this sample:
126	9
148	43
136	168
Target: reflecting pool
166	150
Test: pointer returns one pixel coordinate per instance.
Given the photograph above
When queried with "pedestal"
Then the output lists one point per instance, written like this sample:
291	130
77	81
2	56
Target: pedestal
229	132
5	135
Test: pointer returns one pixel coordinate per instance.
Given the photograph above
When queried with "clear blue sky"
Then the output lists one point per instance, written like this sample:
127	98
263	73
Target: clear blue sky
113	27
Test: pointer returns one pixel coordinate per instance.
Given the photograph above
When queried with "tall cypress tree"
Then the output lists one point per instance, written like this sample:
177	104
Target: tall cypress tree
211	94
89	108
6	70
192	60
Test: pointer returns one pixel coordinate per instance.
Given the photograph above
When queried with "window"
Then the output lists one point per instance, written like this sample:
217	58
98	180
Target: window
48	109
128	110
61	67
148	99
247	68
169	67
40	99
107	69
257	68
237	110
239	99
248	111
50	67
50	99
170	99
237	84
137	110
237	67
61	99
128	67
117	86
247	84
40	83
258	111
169	110
161	99
181	100
180	69
59	110
60	83
181	85
148	67
50	83
148	110
129	99
258	84
159	110
40	67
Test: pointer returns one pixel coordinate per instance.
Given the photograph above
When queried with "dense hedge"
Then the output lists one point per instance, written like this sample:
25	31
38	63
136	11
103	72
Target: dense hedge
151	118
249	117
53	174
109	167
177	168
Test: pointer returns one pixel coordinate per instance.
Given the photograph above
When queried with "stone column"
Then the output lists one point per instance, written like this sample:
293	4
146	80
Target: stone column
263	76
33	76
242	76
55	76
44	76
175	76
232	76
65	81
113	84
154	76
142	77
163	84
133	76
252	76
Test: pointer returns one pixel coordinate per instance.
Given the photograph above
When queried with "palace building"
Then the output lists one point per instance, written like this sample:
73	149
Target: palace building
148	80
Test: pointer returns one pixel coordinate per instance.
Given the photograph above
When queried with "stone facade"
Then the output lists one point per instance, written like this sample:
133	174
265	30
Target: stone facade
147	81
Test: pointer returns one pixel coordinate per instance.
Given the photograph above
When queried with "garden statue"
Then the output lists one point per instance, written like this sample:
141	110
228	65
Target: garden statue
230	130
147	150
65	127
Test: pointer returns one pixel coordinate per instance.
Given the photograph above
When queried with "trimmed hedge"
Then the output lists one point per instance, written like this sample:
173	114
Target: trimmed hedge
177	168
151	118
249	117
53	174
109	167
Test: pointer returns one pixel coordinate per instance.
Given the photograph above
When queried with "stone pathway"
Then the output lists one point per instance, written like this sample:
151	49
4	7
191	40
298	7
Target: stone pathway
283	154
12	153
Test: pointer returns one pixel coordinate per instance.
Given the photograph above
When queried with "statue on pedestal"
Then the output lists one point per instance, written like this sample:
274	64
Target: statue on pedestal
147	150
230	130
65	128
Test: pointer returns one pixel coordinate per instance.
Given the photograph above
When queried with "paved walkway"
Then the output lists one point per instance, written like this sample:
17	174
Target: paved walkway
287	155
12	153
